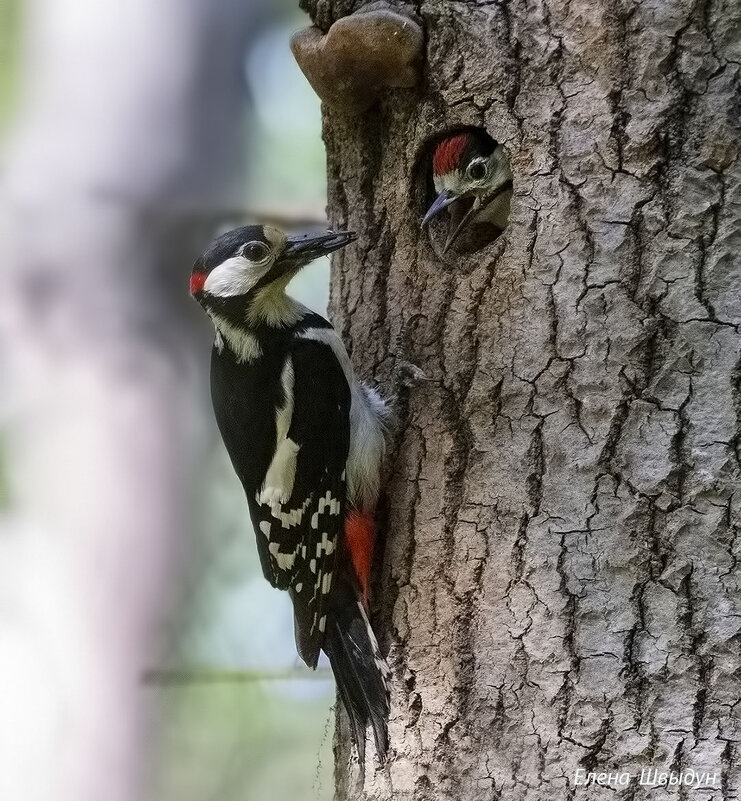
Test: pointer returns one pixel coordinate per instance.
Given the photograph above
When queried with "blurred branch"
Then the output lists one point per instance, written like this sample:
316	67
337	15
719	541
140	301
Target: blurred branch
283	215
288	216
164	677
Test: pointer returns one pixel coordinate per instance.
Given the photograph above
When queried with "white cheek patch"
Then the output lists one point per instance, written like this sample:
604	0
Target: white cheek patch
235	276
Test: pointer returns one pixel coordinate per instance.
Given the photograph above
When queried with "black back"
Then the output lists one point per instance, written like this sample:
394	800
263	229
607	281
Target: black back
297	541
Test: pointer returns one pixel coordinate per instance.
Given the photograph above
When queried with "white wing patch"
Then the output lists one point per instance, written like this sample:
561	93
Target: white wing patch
278	484
283	560
281	474
325	545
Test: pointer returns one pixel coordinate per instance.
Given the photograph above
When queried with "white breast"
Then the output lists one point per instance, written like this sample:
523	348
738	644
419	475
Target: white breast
369	414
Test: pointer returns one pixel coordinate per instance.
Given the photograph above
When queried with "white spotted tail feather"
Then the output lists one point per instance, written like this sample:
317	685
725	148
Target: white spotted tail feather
360	670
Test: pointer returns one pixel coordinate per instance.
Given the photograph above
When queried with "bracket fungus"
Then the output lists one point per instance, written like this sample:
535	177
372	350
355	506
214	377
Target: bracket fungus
361	54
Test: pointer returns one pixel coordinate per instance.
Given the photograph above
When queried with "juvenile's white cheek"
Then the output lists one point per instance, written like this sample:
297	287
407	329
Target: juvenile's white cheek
502	171
235	276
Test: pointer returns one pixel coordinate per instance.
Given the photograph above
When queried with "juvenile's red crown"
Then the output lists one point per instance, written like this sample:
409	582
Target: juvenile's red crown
448	153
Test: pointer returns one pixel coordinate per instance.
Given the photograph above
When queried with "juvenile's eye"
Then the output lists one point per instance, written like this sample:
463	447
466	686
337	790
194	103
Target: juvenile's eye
476	170
255	251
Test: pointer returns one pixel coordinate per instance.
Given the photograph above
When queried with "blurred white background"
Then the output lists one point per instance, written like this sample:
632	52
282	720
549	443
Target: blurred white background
142	654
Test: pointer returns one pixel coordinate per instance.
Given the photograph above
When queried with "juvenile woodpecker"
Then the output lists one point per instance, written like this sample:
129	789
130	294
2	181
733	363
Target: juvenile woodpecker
306	440
473	181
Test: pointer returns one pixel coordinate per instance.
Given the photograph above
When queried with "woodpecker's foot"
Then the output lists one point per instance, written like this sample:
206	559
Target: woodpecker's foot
406	375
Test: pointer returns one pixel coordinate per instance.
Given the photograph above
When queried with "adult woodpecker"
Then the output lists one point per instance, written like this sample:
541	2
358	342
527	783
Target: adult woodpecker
473	181
306	440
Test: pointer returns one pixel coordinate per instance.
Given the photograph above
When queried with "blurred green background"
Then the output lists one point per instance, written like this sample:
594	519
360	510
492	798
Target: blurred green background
10	30
238	716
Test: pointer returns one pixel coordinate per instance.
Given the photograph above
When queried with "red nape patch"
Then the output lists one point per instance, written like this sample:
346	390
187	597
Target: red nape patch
197	280
359	533
448	154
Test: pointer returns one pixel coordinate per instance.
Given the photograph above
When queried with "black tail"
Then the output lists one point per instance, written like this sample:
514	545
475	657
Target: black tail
360	671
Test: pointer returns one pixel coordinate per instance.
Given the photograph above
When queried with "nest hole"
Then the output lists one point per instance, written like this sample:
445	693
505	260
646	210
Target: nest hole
472	170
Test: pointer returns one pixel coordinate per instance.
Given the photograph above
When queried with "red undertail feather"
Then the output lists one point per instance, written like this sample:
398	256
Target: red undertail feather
359	535
448	154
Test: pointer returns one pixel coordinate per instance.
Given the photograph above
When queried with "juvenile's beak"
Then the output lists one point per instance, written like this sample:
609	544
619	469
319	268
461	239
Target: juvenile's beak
442	201
478	203
304	248
473	210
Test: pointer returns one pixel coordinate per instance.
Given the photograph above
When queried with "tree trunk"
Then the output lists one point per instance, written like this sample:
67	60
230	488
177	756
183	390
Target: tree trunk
558	589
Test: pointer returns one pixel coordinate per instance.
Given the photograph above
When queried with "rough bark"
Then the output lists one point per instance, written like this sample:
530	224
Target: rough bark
559	584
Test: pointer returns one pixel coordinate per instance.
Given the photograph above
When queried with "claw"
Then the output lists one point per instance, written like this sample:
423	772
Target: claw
407	375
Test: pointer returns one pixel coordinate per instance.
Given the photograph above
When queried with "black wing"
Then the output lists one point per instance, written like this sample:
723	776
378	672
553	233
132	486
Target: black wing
298	540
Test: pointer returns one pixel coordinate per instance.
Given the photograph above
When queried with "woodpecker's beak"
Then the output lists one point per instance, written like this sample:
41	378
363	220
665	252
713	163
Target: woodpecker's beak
442	201
304	248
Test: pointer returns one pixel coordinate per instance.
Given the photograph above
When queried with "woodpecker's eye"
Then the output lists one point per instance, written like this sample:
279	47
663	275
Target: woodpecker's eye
477	170
255	251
